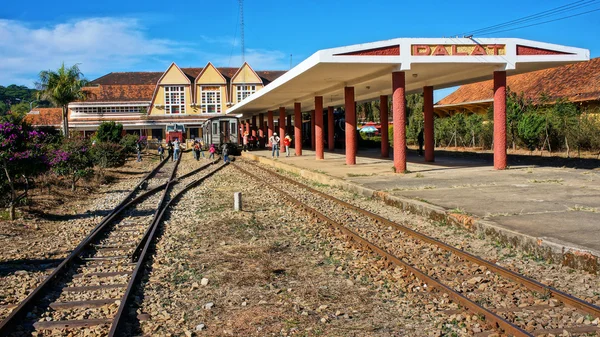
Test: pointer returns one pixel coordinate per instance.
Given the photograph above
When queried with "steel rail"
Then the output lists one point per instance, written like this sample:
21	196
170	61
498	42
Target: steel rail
118	324
509	274
22	309
165	194
502	323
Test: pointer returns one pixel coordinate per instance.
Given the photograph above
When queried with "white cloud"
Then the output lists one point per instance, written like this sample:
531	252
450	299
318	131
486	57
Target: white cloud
98	44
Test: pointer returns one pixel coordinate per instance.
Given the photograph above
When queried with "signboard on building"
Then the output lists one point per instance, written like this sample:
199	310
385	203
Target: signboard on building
458	50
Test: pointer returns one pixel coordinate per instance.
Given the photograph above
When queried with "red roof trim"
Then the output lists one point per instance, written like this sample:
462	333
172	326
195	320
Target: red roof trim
526	50
383	51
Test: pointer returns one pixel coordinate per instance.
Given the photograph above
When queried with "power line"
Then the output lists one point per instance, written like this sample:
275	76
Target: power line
543	22
551	12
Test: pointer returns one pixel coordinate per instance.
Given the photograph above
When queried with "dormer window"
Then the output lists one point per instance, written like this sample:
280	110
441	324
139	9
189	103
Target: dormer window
210	97
244	91
175	100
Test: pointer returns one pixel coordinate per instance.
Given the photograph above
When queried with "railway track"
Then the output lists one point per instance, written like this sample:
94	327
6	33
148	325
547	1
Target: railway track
506	302
89	292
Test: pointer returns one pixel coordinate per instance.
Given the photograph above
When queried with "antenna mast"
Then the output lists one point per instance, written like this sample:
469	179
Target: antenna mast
241	2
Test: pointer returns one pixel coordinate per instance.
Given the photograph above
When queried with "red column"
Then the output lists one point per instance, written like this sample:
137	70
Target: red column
298	128
385	140
261	133
281	127
330	129
428	123
253	126
319	127
248	126
499	120
399	112
350	113
270	126
312	130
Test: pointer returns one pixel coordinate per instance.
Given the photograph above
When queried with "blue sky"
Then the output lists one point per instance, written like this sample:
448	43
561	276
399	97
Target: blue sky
133	35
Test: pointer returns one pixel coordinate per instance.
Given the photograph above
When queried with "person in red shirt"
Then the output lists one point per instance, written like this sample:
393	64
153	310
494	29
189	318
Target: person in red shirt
287	141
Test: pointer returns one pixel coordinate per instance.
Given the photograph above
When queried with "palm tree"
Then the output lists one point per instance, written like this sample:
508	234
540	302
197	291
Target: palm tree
61	88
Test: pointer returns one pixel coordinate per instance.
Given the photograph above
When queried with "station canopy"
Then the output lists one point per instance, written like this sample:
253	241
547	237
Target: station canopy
368	67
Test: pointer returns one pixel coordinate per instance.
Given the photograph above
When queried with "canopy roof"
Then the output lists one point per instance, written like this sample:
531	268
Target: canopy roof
436	62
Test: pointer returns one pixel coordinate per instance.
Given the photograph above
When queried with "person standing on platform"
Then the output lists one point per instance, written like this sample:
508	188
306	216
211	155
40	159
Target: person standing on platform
287	141
245	142
170	149
420	139
274	140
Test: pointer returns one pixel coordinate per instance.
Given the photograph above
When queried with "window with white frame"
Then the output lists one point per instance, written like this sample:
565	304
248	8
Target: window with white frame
174	100
210	99
244	91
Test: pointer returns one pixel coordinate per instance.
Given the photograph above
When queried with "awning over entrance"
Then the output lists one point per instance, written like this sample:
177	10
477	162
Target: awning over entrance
426	62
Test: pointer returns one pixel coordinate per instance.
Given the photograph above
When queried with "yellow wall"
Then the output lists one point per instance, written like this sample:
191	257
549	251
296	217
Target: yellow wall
245	76
211	76
173	76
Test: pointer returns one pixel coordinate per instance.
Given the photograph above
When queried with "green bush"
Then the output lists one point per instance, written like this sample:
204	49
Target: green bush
531	129
108	155
129	142
109	132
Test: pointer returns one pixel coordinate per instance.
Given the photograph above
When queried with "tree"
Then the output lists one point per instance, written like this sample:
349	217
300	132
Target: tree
474	126
516	106
20	157
74	160
531	129
20	109
566	118
109	132
62	87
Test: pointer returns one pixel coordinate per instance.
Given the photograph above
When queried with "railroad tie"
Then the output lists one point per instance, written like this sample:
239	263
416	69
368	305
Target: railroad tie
93	288
84	323
82	304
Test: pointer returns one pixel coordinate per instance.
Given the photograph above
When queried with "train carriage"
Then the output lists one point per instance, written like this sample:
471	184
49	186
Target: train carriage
221	130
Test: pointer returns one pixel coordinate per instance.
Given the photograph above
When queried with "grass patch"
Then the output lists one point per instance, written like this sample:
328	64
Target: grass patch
458	210
578	208
358	175
419	175
546	181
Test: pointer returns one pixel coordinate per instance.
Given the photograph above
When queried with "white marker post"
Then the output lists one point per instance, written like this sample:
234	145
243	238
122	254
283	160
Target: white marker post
237	201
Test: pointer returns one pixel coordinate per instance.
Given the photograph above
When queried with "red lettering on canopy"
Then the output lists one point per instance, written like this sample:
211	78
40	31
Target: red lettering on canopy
496	48
455	51
478	50
440	50
421	50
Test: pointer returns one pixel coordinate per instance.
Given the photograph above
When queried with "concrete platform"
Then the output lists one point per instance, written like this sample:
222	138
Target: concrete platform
549	211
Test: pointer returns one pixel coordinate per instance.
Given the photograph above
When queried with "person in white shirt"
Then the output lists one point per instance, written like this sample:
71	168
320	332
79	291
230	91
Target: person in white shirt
274	140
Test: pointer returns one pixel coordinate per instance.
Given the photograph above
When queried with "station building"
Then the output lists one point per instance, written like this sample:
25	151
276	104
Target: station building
578	83
180	99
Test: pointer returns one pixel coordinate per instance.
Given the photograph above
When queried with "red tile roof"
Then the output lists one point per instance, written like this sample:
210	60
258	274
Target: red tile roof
577	82
120	93
45	117
140	86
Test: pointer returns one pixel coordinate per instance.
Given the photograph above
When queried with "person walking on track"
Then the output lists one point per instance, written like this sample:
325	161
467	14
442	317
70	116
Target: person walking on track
161	152
212	151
